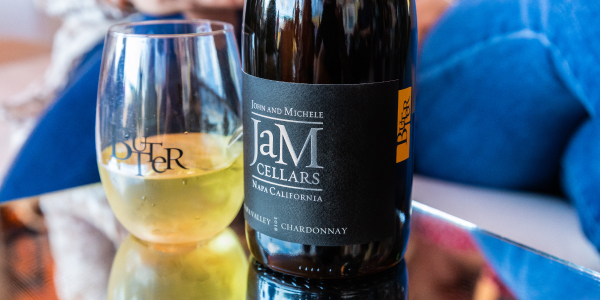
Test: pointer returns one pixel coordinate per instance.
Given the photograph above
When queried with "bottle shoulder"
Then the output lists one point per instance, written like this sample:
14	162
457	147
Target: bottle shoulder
326	41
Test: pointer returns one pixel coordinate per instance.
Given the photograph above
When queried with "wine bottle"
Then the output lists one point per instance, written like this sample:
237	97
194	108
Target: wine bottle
264	283
328	89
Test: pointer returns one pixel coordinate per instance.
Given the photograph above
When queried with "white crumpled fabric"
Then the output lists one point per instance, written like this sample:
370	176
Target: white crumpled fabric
84	237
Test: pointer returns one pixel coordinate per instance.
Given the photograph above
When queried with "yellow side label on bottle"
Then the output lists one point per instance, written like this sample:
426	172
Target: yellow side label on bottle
404	113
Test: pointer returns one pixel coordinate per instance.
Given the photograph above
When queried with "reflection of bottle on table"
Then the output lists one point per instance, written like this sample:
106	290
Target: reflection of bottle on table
264	283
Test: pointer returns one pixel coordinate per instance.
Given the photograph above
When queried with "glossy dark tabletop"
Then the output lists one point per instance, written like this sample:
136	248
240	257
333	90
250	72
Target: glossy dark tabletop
447	258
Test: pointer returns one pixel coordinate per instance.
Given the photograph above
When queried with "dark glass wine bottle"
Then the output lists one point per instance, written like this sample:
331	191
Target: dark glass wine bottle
328	91
264	283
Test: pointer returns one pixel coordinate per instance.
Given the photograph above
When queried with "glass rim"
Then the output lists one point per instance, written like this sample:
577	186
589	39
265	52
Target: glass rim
118	29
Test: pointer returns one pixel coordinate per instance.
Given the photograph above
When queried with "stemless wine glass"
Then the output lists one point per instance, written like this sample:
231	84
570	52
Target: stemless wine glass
167	126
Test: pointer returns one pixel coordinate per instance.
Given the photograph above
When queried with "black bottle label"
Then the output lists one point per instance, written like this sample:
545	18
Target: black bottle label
319	160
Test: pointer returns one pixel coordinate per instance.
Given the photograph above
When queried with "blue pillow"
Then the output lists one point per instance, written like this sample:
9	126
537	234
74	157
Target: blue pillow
581	177
502	86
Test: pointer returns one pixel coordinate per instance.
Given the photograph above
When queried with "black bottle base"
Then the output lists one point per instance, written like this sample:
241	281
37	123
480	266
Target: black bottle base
327	261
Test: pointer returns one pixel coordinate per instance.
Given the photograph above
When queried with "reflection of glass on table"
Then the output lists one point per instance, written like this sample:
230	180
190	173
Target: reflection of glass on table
213	270
447	258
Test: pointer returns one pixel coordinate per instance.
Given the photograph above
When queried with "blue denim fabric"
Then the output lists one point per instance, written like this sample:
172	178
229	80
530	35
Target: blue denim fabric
60	153
502	86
